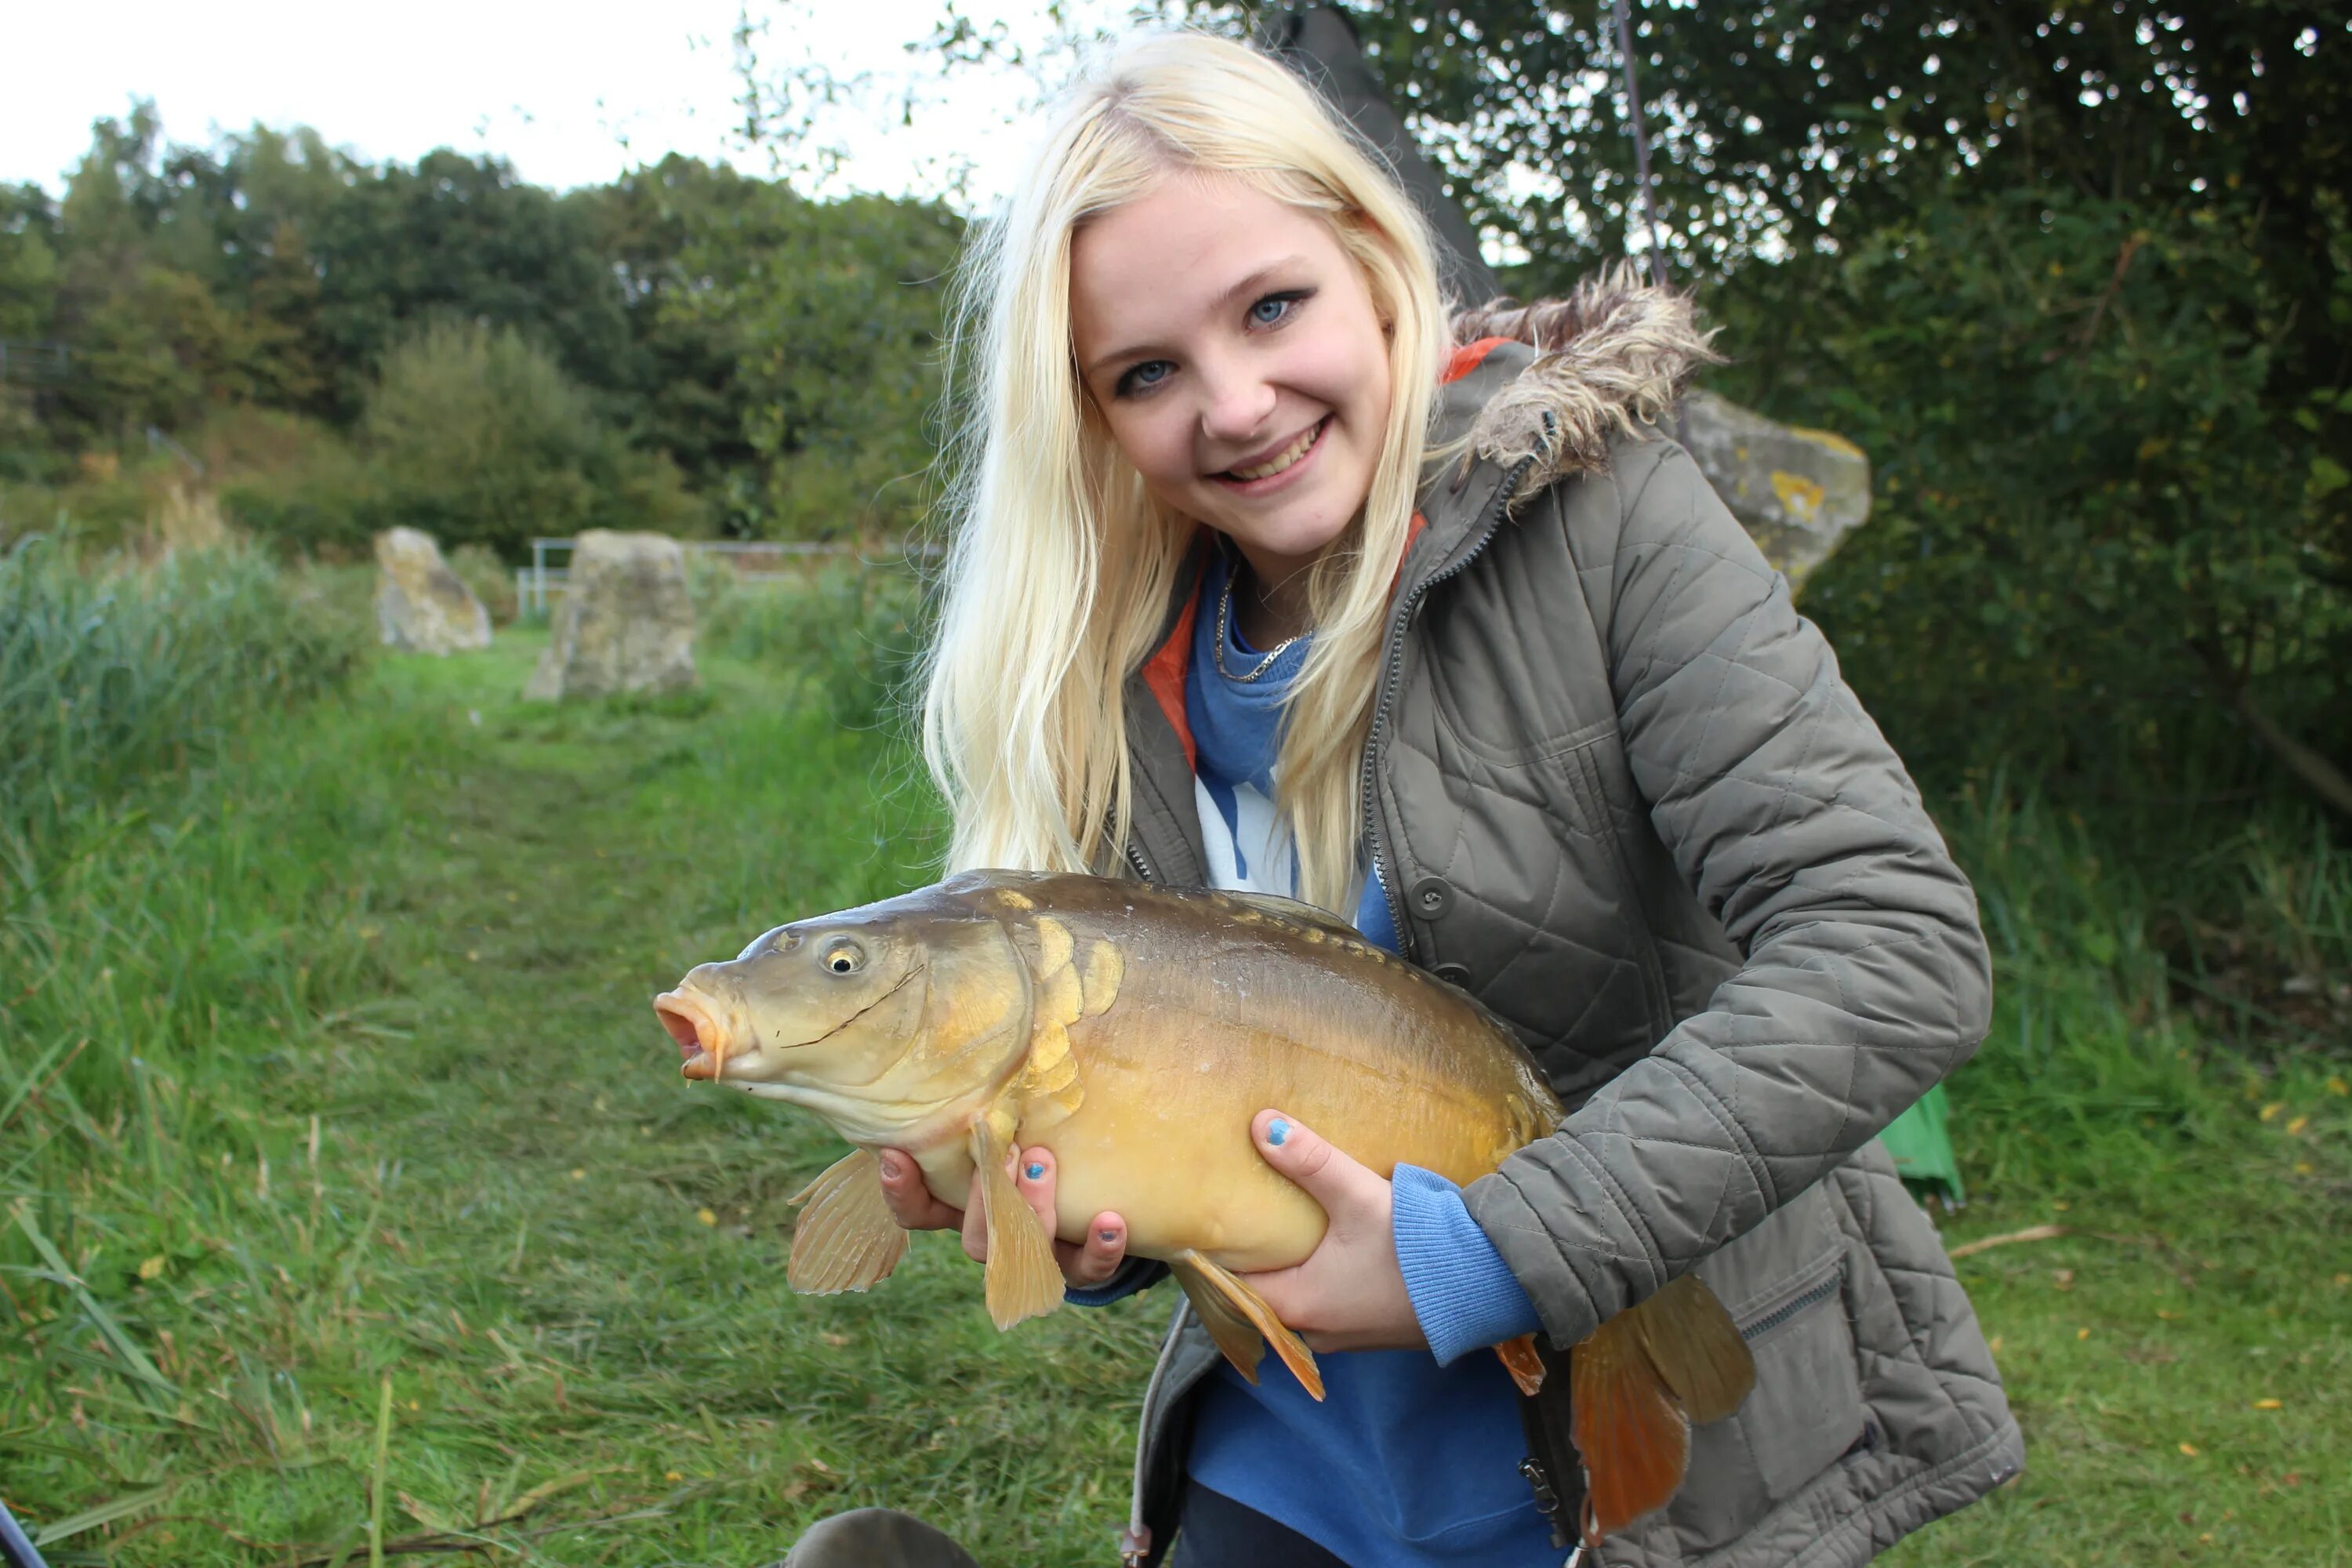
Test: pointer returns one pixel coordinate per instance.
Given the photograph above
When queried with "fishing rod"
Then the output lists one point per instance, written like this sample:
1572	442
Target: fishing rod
14	1544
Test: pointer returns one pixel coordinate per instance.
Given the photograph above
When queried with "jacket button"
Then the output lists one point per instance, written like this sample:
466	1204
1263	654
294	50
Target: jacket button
1455	974
1432	897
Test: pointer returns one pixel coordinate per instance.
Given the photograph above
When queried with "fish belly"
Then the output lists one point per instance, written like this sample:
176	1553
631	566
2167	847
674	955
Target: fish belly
1163	1139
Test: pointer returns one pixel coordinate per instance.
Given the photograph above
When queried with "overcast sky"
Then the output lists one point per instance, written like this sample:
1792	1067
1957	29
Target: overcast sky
572	93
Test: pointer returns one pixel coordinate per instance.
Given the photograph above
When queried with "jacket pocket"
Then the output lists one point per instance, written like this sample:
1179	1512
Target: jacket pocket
1804	1413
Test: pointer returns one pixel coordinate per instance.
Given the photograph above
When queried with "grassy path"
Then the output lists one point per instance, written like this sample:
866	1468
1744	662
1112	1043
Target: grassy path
567	1262
473	1176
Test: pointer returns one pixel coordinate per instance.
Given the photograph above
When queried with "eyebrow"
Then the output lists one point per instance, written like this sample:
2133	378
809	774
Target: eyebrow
1253	281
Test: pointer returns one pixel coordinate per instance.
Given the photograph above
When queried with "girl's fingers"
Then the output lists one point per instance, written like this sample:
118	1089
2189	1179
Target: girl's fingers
1098	1258
1033	1172
908	1199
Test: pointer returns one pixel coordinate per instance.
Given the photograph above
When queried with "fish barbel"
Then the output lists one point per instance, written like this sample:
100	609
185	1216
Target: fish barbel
1134	1031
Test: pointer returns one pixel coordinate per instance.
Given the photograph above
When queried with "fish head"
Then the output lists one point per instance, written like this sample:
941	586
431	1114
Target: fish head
853	1013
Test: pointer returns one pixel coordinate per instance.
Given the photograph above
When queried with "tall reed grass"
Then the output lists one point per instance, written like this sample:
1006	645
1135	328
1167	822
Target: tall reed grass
117	676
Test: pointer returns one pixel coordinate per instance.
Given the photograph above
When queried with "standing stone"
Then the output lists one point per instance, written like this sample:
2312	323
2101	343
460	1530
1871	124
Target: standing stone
1797	491
421	606
626	622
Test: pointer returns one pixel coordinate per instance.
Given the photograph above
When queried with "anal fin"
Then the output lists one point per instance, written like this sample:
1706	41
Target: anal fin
1630	1430
845	1239
1697	1348
1520	1359
1240	1321
1022	1279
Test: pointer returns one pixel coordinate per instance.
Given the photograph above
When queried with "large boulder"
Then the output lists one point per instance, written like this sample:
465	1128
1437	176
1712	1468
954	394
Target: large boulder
626	622
1797	491
421	606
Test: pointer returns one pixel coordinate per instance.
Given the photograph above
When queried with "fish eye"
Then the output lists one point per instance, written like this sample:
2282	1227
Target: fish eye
845	958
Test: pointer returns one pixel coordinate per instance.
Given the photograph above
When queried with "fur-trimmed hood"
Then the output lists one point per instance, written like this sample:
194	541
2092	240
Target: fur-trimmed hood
1610	360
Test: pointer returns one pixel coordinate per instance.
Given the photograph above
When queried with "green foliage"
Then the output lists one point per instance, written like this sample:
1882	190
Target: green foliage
2088	503
837	308
292	481
722	351
112	680
479	436
2079	280
852	630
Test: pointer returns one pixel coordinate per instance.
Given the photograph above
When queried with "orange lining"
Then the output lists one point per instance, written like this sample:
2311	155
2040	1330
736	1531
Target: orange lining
1469	357
1165	672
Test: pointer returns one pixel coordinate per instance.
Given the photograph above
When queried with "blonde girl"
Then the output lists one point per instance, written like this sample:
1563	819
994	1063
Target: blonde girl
1271	574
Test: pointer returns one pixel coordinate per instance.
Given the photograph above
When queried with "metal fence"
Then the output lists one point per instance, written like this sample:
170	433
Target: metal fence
758	560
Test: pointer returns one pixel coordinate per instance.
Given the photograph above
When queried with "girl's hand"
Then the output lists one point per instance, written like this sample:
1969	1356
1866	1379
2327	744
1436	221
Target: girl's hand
910	1202
1349	1294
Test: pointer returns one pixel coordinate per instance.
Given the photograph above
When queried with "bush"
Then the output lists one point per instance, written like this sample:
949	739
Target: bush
292	481
491	580
853	629
477	437
112	680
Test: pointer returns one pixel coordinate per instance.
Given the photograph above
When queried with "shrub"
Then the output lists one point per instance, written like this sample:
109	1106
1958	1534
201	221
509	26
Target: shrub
291	481
854	628
115	679
477	437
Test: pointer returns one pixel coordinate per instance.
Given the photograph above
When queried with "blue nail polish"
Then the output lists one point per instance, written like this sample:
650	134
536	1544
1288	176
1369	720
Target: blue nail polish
1276	1130
1108	1234
1034	1171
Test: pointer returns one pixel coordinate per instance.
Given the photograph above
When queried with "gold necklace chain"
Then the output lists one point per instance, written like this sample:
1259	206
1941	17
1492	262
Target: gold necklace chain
1225	624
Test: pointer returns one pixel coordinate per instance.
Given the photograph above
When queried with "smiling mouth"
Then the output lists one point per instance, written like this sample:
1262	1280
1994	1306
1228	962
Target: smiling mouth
1285	459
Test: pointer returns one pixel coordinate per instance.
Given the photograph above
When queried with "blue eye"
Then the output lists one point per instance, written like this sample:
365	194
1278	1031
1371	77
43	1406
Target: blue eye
1275	308
1145	376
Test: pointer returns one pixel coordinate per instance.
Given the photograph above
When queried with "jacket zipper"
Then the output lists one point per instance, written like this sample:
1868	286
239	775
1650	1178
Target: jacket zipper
1795	1304
1489	520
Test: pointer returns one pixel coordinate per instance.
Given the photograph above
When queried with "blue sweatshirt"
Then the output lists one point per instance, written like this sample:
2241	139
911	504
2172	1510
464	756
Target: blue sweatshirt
1412	1459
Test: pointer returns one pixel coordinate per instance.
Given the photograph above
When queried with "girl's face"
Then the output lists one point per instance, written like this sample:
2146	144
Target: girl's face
1233	350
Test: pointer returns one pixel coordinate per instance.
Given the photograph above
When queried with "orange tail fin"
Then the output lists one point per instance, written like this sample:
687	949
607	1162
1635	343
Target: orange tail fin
1629	1432
1636	1385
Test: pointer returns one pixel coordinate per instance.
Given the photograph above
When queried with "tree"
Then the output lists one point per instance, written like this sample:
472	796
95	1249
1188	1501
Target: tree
2080	280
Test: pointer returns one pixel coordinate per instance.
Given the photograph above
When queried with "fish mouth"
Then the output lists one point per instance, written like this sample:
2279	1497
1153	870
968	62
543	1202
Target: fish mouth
701	1043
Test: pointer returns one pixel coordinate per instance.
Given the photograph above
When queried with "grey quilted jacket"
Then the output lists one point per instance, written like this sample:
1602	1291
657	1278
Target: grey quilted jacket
1617	790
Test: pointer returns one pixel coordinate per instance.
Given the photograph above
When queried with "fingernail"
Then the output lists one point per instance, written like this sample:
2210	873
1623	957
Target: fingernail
1276	1130
1033	1169
889	1167
1108	1234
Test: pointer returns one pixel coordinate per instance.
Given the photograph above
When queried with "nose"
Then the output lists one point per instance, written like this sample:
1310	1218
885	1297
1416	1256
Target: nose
1235	402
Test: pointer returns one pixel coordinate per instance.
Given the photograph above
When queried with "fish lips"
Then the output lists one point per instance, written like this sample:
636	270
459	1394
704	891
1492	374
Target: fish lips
701	1037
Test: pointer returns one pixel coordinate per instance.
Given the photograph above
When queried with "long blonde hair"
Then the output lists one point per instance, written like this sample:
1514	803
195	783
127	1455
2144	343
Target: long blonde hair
1061	565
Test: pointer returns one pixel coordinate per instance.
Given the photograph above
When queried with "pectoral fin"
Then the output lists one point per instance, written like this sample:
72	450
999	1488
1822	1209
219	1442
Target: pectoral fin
1697	1348
1520	1360
1630	1431
845	1238
1240	1321
1024	1280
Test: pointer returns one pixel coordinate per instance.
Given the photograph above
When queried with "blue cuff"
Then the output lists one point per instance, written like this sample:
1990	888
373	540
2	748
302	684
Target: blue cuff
1134	1274
1465	1295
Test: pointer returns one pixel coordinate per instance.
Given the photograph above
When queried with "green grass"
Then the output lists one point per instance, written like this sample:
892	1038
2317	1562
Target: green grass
340	1069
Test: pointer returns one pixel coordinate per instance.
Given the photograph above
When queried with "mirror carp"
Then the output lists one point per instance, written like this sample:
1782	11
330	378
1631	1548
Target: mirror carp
1134	1031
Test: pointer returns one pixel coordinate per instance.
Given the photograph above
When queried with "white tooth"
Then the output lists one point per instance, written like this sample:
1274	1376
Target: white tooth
1283	459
